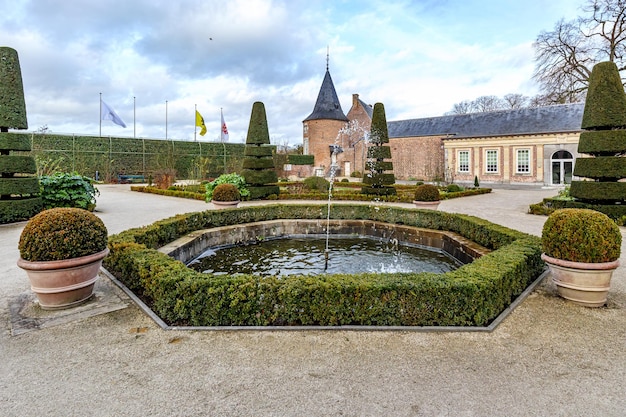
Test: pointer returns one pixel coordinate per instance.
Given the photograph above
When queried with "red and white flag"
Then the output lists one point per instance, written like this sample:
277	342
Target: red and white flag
224	136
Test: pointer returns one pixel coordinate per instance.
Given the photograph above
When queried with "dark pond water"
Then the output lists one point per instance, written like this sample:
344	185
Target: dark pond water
305	256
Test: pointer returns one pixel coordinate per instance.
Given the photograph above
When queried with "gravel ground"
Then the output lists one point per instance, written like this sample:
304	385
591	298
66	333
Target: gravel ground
548	358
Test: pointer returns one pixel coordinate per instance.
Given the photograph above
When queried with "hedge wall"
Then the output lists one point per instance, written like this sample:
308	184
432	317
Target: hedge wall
301	159
473	295
114	155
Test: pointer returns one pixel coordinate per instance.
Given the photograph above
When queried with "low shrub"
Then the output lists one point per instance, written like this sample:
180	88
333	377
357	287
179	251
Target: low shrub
427	192
226	192
316	184
453	188
473	295
68	190
234	179
62	233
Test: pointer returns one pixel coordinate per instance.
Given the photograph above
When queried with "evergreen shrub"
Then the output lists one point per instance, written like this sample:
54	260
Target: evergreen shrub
62	233
427	192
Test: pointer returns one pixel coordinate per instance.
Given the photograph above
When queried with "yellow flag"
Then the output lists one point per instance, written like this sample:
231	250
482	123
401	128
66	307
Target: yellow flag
200	123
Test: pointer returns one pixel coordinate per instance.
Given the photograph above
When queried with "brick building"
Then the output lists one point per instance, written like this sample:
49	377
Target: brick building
521	146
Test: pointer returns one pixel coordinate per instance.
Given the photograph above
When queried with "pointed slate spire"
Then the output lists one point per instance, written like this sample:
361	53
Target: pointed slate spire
327	105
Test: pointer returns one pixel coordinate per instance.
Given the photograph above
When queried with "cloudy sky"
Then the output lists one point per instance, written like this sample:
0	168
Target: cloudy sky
416	57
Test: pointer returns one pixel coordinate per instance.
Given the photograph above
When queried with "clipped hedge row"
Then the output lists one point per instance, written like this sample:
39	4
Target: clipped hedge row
473	295
301	159
13	164
602	141
601	167
16	210
593	190
616	212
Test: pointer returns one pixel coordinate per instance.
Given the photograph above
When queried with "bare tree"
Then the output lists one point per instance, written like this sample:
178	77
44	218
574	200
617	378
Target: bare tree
515	101
463	107
565	56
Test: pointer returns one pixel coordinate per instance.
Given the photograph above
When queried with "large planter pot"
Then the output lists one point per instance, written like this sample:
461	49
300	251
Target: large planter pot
584	283
66	283
224	204
429	205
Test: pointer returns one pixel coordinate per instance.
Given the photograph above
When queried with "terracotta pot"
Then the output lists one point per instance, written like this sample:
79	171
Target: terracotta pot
66	283
429	205
224	204
584	283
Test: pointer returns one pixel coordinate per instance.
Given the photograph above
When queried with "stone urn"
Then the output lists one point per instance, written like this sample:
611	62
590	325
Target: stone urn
427	197
429	205
226	196
225	204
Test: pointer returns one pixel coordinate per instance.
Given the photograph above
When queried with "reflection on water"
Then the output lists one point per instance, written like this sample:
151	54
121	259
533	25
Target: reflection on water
305	256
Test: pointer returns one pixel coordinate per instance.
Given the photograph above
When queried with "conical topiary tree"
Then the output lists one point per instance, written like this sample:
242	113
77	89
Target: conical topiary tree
379	180
258	162
19	187
603	138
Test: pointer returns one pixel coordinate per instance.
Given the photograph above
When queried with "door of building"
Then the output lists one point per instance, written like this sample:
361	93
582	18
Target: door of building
562	167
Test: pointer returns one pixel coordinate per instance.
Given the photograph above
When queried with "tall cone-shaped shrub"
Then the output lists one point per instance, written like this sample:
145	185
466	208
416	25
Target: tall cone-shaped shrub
258	161
19	187
379	176
603	140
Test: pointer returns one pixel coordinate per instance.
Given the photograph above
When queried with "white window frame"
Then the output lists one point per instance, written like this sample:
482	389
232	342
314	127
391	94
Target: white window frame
489	169
522	167
460	167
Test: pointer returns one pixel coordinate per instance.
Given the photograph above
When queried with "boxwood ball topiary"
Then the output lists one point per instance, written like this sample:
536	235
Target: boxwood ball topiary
226	192
62	233
427	192
581	235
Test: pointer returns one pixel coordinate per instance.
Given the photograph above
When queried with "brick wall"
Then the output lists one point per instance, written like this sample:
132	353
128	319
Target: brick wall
417	158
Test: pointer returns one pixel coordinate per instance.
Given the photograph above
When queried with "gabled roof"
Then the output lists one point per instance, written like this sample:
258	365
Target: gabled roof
327	105
368	109
536	120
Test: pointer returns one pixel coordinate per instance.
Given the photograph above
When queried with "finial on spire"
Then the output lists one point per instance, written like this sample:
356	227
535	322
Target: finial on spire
327	58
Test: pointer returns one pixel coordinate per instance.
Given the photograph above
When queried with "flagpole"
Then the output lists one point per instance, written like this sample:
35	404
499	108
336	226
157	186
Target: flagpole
221	126
195	106
134	117
100	116
165	119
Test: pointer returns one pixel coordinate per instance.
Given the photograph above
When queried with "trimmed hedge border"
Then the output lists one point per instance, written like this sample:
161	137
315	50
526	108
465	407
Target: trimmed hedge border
473	295
616	212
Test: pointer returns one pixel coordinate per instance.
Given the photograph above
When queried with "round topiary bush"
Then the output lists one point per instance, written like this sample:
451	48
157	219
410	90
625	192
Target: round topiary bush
427	192
62	233
581	235
453	188
316	184
226	192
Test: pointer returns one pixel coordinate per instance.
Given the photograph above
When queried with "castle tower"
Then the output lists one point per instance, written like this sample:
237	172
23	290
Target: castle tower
321	127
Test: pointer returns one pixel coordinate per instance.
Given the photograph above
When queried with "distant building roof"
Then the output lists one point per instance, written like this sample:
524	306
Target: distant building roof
368	108
526	121
327	105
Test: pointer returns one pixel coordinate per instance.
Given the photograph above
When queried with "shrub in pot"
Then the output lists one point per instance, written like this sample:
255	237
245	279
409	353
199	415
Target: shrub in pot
226	195
582	249
61	250
426	196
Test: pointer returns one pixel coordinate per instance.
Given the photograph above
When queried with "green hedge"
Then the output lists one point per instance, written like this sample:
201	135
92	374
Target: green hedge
258	163
601	167
14	141
14	164
15	210
254	177
259	151
593	190
379	179
602	141
379	152
258	192
616	212
301	159
473	295
19	185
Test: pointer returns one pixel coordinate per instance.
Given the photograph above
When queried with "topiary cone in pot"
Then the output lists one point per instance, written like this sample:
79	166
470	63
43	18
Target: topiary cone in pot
61	250
582	249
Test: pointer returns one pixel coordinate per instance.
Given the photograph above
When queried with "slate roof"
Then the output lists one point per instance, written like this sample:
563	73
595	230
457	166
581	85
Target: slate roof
327	105
536	120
